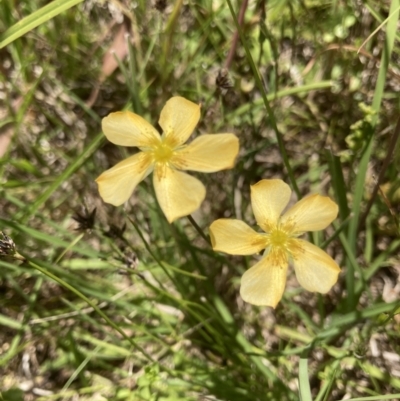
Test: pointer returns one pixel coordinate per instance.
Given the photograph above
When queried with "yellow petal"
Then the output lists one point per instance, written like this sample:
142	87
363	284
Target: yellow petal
315	269
312	213
117	184
178	193
178	119
235	237
129	129
264	283
208	153
268	199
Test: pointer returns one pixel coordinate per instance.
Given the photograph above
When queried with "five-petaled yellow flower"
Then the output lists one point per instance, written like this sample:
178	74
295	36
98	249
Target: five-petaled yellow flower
264	283
178	193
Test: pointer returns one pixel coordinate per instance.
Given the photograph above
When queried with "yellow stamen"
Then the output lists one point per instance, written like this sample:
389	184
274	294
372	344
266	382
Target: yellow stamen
162	153
278	238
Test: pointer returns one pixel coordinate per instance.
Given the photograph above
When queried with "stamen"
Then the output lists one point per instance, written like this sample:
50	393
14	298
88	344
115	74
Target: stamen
278	256
278	238
162	152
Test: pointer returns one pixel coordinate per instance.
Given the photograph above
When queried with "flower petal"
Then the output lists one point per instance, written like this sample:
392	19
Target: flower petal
117	184
312	213
268	199
178	193
315	269
208	153
178	119
129	129
264	283
235	237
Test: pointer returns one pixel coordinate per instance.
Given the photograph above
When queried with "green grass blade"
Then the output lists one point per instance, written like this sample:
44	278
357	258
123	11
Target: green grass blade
338	184
11	323
377	397
304	381
35	19
49	239
289	91
327	384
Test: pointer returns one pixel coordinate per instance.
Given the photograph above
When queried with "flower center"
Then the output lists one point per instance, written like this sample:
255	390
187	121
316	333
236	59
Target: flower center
278	238
162	153
279	241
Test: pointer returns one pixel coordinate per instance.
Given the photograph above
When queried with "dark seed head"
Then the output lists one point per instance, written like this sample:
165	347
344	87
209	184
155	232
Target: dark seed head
160	5
7	246
115	231
223	80
85	220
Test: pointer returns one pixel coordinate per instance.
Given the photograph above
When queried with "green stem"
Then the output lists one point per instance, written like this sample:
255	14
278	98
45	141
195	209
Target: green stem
148	248
199	229
266	103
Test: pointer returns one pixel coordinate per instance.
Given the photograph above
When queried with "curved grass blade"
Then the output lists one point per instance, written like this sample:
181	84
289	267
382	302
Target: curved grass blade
35	19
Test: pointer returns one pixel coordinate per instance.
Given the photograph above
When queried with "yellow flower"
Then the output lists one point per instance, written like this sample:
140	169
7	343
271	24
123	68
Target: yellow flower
264	283
178	193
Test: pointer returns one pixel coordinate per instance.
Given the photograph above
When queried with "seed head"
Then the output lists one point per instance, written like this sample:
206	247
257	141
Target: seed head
7	247
86	220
